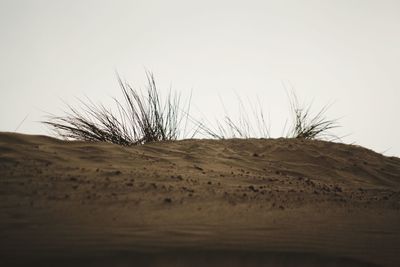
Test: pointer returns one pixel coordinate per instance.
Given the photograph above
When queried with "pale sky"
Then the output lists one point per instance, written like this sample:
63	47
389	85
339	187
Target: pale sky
341	51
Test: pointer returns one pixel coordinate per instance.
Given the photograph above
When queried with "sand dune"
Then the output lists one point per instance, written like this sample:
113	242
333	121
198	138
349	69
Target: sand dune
256	202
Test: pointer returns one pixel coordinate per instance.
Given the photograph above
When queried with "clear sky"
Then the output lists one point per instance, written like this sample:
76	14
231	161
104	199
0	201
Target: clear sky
341	51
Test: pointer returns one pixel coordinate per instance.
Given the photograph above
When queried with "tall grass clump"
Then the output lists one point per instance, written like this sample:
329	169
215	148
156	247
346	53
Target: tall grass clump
308	126
138	119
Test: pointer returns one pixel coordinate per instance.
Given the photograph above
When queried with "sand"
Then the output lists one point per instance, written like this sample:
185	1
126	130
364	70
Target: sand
255	202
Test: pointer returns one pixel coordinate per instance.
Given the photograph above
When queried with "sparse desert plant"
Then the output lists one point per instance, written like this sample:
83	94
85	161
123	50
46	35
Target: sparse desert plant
304	125
243	126
308	126
140	118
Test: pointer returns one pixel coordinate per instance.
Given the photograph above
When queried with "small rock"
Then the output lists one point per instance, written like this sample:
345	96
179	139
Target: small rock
252	188
198	168
337	189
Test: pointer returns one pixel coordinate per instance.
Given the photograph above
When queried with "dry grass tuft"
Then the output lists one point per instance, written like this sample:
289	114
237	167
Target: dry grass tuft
140	118
307	126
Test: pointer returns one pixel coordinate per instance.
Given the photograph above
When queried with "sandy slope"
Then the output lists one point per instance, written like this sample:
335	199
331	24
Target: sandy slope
197	203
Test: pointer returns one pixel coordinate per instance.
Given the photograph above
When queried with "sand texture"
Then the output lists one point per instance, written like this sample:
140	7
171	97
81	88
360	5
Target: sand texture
255	202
